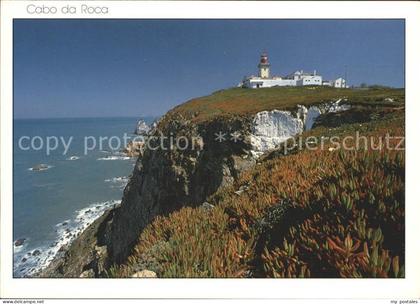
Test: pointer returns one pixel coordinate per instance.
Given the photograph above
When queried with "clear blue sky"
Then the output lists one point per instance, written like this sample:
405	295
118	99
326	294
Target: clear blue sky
94	68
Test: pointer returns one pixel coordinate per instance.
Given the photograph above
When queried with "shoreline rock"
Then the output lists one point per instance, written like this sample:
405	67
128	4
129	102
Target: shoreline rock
40	167
84	257
20	242
142	128
134	149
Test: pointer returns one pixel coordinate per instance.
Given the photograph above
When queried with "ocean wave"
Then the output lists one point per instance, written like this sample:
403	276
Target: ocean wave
117	179
114	157
40	167
73	157
17	249
118	182
28	262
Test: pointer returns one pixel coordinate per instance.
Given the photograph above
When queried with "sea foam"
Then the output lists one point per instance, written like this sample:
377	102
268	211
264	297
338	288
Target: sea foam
28	261
114	157
118	182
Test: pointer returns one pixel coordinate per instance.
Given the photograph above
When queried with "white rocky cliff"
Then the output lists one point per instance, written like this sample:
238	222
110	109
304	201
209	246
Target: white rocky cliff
270	128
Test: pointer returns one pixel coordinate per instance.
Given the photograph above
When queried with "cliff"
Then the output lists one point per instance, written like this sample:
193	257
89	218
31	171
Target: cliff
170	183
166	180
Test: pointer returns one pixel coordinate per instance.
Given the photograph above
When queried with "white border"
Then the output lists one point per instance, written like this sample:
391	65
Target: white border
220	288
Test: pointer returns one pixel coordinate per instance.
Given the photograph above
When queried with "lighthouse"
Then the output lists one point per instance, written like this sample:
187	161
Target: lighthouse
296	79
264	66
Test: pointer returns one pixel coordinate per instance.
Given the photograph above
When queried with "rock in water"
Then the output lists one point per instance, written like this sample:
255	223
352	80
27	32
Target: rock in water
144	274
40	167
19	242
142	128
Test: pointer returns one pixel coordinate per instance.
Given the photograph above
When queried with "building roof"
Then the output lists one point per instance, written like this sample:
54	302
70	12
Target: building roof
301	73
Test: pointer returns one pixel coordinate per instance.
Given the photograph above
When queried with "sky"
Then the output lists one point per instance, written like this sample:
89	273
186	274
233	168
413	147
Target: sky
109	68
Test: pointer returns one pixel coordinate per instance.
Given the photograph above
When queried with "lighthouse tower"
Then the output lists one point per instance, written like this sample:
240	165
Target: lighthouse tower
264	66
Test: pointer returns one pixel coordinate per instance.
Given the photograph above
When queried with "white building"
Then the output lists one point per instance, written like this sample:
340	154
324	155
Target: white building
298	78
302	78
259	82
340	83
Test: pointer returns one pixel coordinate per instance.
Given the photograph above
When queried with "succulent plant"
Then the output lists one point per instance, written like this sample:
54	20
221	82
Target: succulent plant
315	213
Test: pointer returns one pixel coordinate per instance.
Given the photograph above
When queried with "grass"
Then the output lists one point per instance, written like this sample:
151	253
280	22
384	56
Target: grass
315	213
242	101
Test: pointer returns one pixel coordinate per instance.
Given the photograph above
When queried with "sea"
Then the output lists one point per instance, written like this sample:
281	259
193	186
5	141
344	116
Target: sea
56	195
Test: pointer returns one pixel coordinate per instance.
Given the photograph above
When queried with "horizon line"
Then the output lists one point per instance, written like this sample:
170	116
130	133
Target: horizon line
86	117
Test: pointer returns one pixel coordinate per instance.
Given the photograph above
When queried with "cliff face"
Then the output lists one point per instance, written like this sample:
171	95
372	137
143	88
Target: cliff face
168	177
165	180
293	213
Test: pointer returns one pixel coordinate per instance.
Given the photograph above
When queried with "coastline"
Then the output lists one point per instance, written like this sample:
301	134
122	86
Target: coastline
88	246
84	256
116	243
67	191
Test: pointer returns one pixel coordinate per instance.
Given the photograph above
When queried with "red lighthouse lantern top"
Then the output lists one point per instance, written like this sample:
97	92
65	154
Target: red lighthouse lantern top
264	58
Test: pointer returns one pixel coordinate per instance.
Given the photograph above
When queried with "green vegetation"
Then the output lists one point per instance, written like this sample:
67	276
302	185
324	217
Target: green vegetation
241	101
313	213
